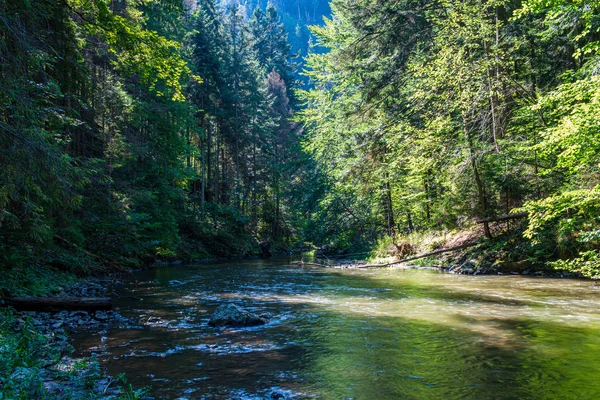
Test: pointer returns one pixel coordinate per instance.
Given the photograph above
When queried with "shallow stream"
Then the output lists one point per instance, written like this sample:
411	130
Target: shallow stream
360	334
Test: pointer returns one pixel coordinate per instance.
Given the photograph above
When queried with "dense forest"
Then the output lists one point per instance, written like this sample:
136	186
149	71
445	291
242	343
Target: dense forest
430	115
137	131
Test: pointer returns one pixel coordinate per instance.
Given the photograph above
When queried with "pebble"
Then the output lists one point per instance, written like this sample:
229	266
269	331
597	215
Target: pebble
79	314
101	316
276	395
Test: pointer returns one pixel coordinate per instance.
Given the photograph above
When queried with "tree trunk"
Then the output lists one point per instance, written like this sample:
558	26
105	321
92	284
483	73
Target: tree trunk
216	173
411	227
389	208
427	210
481	196
208	160
433	253
57	303
203	189
503	218
254	178
224	186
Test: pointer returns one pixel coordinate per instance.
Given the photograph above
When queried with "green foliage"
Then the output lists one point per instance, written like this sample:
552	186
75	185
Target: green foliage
570	138
25	355
137	50
587	264
565	213
40	280
569	147
115	153
421	116
21	358
295	17
429	115
225	232
127	392
578	18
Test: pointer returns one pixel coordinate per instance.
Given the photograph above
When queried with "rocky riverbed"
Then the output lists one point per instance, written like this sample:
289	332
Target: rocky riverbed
63	322
460	265
38	362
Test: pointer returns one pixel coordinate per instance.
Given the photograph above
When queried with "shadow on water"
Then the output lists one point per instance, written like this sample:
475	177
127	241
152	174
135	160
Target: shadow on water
349	334
427	361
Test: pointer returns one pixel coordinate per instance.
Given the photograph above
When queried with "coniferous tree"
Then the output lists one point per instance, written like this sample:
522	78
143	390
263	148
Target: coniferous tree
272	47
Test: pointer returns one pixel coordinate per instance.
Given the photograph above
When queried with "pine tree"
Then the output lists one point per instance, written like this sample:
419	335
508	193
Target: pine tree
270	42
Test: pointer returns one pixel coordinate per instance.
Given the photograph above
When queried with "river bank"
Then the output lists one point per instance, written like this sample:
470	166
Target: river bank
464	251
37	352
467	267
37	355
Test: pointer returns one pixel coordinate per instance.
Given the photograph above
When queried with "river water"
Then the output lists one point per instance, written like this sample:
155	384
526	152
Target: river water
354	334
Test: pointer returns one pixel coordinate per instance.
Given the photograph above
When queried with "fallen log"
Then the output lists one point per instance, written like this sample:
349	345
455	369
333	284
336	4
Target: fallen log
50	304
433	253
498	218
506	217
349	255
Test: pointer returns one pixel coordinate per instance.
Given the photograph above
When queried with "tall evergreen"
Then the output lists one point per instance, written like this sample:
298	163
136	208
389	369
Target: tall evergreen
129	132
272	47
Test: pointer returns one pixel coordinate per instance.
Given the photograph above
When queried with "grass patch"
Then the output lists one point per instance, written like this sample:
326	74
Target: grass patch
34	281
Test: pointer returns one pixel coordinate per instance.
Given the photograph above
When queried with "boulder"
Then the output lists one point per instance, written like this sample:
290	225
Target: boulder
235	316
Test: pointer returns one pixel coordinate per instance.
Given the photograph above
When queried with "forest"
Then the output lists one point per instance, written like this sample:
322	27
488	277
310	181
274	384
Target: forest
141	131
137	131
428	115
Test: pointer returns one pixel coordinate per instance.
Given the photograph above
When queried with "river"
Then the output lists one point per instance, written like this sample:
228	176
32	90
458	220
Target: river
354	334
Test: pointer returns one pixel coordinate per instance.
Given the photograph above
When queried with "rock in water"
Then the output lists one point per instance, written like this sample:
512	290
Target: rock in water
234	316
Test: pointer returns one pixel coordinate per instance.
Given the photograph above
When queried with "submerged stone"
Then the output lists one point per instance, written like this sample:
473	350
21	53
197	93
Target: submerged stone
235	316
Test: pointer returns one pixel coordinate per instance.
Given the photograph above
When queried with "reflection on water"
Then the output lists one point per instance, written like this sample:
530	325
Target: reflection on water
378	334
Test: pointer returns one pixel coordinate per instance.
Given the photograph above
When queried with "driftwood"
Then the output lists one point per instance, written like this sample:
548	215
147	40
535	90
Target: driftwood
349	255
498	218
433	253
59	303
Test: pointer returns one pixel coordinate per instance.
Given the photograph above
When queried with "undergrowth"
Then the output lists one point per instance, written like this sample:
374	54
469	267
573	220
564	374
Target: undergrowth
508	251
28	358
38	281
